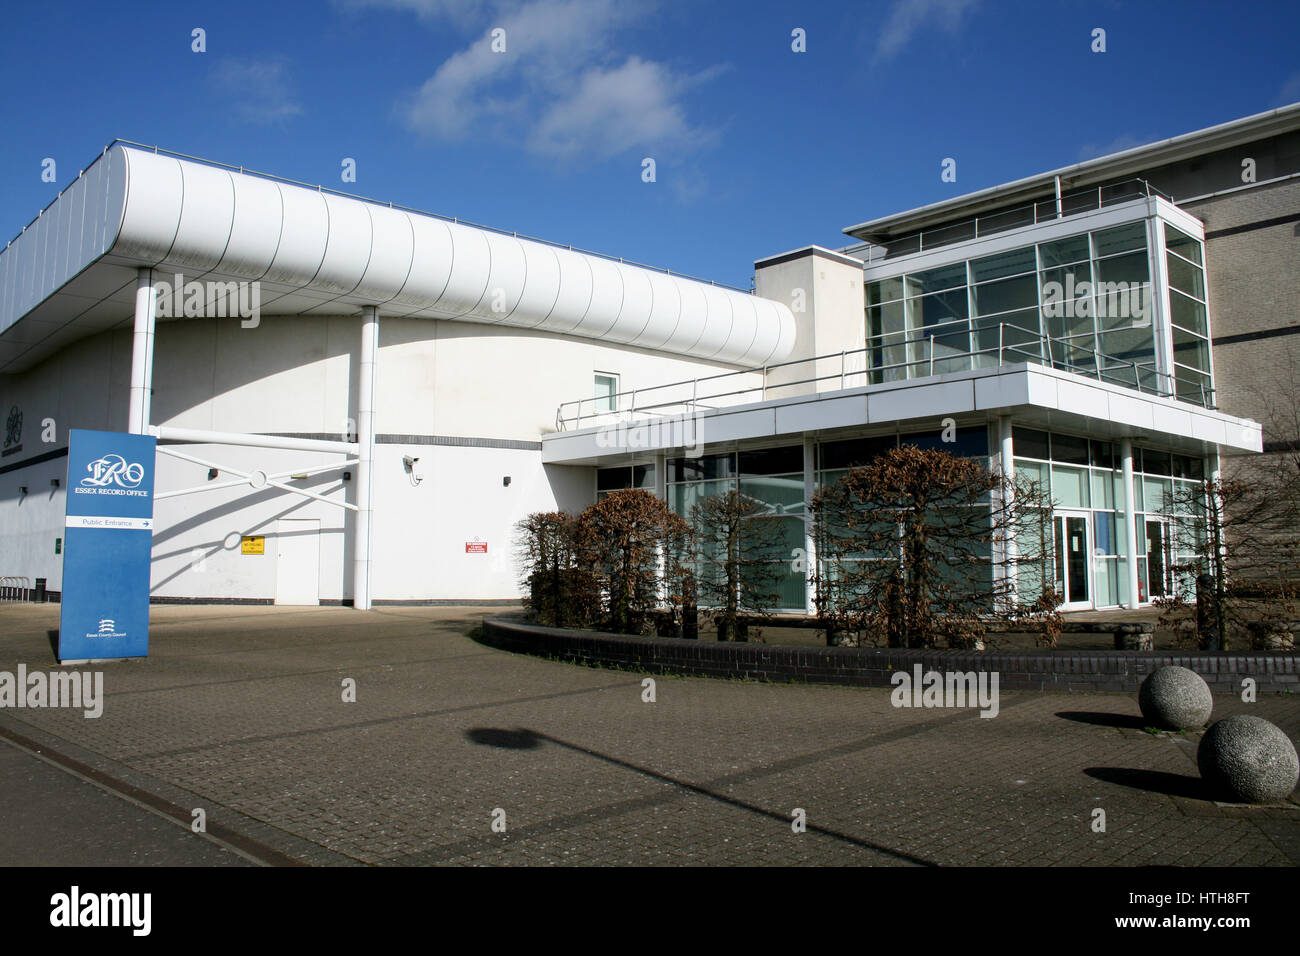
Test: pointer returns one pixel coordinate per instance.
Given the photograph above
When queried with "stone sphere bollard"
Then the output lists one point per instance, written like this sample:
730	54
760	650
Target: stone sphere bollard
1175	698
1249	759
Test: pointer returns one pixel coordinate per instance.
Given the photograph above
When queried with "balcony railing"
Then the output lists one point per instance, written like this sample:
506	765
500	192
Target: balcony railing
1002	220
855	368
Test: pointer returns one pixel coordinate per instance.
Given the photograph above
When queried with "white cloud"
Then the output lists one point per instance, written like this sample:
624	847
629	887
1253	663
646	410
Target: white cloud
909	17
1290	92
562	88
1117	145
257	91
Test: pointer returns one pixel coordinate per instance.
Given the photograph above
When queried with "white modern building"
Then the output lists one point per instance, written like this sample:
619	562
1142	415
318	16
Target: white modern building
355	402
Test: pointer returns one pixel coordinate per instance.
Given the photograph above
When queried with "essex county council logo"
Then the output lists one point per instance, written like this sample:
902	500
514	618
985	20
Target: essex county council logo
113	469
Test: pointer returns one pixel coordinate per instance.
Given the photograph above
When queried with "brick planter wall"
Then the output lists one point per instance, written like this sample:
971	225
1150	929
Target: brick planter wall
872	667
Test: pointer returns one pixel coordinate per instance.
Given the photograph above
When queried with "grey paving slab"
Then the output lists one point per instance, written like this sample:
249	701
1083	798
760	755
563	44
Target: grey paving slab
241	710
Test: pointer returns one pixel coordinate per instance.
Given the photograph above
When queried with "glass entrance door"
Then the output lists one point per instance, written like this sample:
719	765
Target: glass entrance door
1153	569
1073	559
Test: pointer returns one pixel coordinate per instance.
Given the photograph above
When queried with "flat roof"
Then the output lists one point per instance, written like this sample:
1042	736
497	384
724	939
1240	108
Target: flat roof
1091	171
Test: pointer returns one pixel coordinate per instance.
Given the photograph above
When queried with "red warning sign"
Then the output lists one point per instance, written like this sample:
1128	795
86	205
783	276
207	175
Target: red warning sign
476	547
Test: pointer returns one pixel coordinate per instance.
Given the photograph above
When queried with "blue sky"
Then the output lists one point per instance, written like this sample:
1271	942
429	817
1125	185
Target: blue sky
758	149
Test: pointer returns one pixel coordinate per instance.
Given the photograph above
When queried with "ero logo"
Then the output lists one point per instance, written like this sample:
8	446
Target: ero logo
113	469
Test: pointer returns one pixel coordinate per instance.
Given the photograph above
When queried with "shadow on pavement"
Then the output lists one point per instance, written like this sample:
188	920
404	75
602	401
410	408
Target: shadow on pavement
1154	781
506	739
1100	719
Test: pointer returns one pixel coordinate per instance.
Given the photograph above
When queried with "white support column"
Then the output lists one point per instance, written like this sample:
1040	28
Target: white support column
809	542
365	457
1007	464
661	476
1130	521
137	420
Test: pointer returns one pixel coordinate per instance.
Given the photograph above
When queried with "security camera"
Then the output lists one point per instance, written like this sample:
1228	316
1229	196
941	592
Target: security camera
412	465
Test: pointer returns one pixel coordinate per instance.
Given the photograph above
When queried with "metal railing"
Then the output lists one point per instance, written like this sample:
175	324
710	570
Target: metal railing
374	202
15	587
1015	344
1004	220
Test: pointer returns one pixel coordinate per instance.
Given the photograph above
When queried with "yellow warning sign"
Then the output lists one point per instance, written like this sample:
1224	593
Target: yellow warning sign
252	544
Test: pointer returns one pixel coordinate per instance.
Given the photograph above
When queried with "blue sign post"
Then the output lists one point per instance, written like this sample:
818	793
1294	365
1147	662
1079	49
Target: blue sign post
107	546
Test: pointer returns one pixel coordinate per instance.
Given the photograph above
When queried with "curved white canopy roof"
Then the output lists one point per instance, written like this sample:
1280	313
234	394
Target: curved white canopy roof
319	253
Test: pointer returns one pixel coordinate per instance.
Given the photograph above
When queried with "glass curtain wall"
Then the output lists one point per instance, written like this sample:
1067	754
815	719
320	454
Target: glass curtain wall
773	476
1085	475
1081	304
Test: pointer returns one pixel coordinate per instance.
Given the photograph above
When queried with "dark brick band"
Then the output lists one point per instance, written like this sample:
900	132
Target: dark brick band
873	667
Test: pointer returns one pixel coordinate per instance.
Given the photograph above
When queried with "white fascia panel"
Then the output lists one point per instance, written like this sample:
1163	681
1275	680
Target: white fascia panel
207	215
471	267
256	223
303	237
1079	398
348	247
934	400
1001	391
391	257
1130	410
734	426
827	413
155	195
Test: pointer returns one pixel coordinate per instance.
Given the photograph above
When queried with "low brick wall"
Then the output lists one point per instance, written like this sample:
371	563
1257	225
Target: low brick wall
873	667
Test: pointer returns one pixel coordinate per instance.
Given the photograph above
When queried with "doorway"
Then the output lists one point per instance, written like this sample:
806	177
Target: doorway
297	561
1073	534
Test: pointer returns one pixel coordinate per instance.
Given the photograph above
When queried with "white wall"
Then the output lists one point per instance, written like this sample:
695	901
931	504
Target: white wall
298	375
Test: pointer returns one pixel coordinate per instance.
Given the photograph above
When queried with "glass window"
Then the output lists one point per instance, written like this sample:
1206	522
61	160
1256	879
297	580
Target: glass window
884	290
938	308
1120	239
606	392
681	498
1190	386
1155	462
1186	277
1015	262
772	461
968	442
699	469
1103	491
643	476
1064	251
1128	268
854	452
613	479
1103	454
935	280
1006	295
1069	449
1191	350
1030	443
1133	344
1188	313
886	319
782	494
1183	244
1070	487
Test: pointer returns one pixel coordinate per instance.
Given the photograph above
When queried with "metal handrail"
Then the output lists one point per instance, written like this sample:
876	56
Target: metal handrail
1038	349
374	202
974	223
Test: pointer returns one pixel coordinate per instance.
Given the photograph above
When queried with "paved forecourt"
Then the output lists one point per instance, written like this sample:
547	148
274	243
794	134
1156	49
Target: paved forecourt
241	712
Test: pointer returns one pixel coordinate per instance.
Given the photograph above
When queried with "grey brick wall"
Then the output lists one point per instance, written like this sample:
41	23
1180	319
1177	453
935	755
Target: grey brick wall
1254	286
